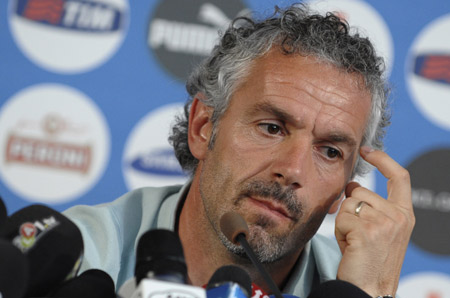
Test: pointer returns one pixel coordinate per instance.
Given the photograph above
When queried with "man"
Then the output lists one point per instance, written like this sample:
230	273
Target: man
282	116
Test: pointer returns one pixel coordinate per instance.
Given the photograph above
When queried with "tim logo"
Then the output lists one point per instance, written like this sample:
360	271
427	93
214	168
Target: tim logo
433	67
71	14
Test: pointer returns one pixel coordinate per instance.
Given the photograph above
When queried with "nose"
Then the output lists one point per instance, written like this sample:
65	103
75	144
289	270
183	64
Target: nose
291	162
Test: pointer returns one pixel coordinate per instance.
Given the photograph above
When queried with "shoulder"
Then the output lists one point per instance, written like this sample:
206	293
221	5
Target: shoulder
128	205
110	230
134	211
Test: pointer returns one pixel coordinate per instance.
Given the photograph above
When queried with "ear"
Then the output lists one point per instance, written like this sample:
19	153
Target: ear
336	204
200	128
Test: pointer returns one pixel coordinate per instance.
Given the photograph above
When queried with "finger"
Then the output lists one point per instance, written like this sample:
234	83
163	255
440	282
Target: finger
399	184
351	186
371	228
354	189
361	193
350	205
350	230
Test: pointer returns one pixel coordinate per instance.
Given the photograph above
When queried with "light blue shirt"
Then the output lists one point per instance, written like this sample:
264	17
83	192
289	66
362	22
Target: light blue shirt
111	232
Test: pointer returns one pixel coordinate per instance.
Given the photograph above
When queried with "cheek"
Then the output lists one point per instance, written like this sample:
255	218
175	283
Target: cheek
330	179
325	191
240	152
334	177
313	223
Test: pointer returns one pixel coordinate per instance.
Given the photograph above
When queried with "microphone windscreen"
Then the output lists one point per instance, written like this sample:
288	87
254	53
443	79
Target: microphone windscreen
231	225
93	283
161	253
337	289
233	274
52	244
13	271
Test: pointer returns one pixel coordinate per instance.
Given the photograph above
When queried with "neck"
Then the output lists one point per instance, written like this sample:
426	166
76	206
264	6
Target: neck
205	253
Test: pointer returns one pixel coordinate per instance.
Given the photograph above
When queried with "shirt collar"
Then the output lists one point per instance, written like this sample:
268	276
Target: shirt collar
301	278
167	217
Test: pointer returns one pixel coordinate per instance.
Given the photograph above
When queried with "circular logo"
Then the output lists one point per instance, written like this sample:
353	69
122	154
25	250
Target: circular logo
149	159
428	72
430	179
54	143
425	285
28	230
328	224
181	38
65	36
27	235
366	20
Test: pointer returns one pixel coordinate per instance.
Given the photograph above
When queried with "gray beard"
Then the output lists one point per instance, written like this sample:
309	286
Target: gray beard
267	248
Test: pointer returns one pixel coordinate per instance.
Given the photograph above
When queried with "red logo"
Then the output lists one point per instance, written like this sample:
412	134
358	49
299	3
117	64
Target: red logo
44	10
433	67
434	295
28	230
48	153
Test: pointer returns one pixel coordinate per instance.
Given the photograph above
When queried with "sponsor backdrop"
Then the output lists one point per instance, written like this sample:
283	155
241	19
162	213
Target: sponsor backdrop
89	89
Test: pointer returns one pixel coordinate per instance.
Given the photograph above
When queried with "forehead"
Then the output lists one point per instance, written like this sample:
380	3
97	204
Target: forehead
307	73
306	87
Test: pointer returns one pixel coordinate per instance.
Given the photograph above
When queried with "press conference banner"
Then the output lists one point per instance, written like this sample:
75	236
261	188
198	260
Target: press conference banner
89	90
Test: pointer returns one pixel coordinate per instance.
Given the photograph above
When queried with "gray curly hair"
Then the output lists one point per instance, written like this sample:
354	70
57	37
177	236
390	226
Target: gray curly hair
295	31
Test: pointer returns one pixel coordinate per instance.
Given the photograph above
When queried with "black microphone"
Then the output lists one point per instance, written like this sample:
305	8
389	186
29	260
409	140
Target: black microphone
234	227
93	283
52	244
337	289
14	273
160	268
229	282
160	255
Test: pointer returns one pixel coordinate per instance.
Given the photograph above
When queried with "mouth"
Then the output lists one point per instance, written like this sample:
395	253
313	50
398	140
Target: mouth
273	208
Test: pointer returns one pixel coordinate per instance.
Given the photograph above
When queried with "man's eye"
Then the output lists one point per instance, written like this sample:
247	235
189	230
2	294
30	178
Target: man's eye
271	128
332	152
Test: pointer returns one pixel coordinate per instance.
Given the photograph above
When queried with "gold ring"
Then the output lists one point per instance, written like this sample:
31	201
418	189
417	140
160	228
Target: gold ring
359	207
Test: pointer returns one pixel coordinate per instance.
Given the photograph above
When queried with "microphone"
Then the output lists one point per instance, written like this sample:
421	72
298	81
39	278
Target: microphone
234	227
160	269
51	243
93	283
337	289
229	282
160	255
13	271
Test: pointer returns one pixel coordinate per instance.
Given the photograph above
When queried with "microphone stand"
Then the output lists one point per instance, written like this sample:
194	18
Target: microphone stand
270	283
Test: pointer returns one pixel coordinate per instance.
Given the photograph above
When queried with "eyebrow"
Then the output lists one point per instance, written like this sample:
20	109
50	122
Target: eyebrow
271	109
335	137
338	137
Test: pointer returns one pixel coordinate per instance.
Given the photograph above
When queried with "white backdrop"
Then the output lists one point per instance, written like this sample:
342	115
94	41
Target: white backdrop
88	90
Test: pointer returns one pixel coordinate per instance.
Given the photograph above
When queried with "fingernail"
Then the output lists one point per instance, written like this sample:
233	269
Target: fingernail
366	149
